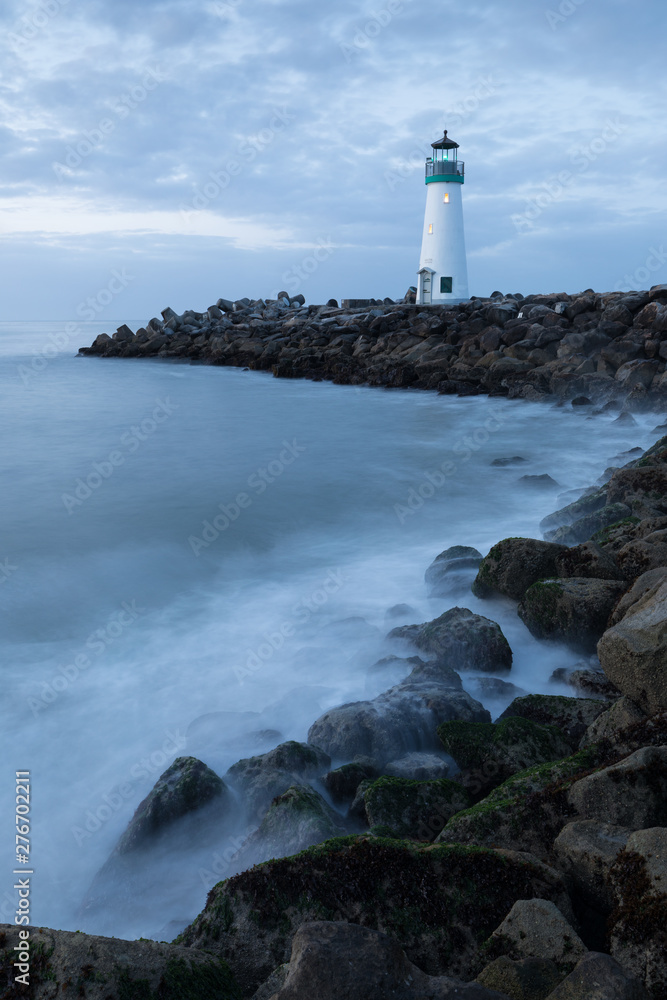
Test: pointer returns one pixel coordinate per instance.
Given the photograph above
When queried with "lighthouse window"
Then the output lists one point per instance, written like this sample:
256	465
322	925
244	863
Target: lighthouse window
446	199
430	230
445	284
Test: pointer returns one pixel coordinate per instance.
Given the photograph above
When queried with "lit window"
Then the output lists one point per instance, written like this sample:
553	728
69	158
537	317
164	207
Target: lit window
446	199
430	230
446	285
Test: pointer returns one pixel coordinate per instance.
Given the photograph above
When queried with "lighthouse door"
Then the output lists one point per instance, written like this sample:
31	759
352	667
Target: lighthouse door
426	298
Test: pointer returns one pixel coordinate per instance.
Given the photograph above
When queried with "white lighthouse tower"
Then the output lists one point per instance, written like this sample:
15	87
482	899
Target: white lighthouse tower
443	272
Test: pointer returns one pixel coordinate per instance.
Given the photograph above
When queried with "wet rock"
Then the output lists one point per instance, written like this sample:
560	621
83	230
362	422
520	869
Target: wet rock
295	820
489	753
400	611
416	810
571	716
515	564
593	683
341	961
342	783
535	928
539	482
516	460
587	560
638	938
633	653
589	524
623	713
640	594
526	979
574	611
100	968
599	977
461	639
632	793
493	687
586	850
449	571
587	504
641	555
260	779
251	919
420	766
398	721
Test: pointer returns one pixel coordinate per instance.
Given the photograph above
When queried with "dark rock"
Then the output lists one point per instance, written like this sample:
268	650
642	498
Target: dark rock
632	793
342	783
460	639
536	928
418	766
590	524
417	810
513	565
599	977
400	720
400	611
586	850
587	560
260	779
539	482
251	918
341	961
450	569
509	461
570	716
623	713
295	820
582	401
526	979
592	683
100	968
574	611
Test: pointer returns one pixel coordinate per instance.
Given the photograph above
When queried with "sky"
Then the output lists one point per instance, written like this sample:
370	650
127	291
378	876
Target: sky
170	152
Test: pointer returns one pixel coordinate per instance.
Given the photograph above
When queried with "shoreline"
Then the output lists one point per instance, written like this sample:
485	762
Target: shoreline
604	349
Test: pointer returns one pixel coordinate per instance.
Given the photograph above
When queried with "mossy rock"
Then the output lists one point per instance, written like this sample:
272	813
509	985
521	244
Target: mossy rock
513	564
260	779
488	753
439	902
415	810
297	819
571	716
587	526
342	783
187	785
461	640
574	611
614	532
525	979
527	811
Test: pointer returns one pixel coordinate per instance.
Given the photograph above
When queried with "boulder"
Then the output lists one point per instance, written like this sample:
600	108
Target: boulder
536	928
295	820
489	753
623	713
592	683
342	783
641	555
514	564
427	898
526	979
599	977
451	570
260	779
586	850
334	960
587	560
589	503
632	793
460	639
72	963
638	936
416	810
630	486
570	716
187	785
633	653
400	720
574	610
588	525
640	593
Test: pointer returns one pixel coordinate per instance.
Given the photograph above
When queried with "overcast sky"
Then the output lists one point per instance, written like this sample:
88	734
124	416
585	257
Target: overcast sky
175	151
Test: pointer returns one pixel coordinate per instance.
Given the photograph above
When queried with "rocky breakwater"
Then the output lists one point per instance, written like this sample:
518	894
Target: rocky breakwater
588	347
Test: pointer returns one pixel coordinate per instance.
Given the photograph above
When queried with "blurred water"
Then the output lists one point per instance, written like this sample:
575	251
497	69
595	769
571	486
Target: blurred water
125	618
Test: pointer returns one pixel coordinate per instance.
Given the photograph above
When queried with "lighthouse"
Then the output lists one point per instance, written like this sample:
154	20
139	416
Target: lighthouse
443	272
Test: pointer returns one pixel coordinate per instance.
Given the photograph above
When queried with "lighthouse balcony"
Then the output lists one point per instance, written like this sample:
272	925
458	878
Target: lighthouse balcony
445	170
